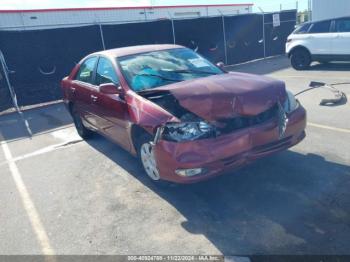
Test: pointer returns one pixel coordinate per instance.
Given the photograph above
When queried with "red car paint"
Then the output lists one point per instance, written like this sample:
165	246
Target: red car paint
227	95
211	98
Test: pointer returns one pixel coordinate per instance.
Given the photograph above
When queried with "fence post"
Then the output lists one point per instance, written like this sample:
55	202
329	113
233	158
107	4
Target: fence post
172	27
224	35
263	26
102	38
13	93
145	14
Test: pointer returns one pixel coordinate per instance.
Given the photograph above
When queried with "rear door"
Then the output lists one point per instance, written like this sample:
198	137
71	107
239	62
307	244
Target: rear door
341	41
319	38
110	111
81	87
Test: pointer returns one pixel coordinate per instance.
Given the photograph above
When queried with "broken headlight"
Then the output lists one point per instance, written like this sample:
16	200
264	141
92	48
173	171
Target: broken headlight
291	103
187	131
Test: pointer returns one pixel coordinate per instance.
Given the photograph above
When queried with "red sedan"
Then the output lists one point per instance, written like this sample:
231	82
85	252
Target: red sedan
186	119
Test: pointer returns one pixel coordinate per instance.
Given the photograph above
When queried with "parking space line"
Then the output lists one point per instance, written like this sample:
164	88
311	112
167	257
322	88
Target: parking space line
47	150
28	204
307	76
343	130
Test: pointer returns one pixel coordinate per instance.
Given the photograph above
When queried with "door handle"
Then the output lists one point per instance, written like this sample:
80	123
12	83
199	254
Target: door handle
72	89
93	98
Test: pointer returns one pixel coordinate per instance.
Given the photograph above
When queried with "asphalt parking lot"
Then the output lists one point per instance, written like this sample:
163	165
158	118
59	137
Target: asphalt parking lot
62	195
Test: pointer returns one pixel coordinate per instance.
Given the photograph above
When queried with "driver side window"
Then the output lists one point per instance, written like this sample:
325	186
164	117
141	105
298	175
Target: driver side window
105	72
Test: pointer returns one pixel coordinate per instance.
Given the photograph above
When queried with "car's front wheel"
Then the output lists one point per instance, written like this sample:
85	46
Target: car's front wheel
146	156
148	161
78	123
300	59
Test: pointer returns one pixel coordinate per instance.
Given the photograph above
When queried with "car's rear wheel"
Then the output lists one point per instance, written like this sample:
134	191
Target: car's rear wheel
300	59
78	123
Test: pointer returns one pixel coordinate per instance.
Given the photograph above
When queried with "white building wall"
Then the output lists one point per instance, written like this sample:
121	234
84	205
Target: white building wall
67	18
326	9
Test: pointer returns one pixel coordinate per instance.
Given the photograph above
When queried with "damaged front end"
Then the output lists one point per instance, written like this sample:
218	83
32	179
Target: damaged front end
188	131
212	132
192	127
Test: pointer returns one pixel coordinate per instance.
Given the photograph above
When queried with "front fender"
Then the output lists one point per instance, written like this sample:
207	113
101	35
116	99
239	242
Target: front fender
147	114
290	47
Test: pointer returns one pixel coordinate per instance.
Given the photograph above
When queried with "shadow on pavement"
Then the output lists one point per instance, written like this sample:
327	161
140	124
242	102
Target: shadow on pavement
274	64
41	120
333	66
288	203
262	67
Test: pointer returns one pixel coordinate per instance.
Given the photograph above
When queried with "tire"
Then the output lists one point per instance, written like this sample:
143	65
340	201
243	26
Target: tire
83	132
300	59
144	153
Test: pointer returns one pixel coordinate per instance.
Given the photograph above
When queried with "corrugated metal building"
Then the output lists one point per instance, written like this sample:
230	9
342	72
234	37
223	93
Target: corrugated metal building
325	9
53	18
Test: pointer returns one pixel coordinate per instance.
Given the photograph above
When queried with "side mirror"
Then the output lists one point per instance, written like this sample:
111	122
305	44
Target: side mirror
111	89
221	65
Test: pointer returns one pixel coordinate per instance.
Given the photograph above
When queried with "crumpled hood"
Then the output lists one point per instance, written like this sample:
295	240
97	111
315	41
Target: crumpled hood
228	95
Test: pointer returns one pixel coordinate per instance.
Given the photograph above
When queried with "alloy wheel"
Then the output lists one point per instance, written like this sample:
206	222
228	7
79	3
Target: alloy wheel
149	162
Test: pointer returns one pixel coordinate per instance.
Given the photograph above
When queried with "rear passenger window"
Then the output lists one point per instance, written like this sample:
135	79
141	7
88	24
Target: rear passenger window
320	27
86	70
342	25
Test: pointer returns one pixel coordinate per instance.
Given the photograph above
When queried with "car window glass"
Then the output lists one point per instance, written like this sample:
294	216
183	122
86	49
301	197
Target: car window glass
105	72
86	70
342	25
320	27
302	29
152	69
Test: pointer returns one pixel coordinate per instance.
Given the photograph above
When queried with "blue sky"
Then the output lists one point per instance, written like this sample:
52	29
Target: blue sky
267	5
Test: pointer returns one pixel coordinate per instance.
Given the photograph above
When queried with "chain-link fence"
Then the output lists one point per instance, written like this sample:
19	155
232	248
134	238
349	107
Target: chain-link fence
5	88
41	58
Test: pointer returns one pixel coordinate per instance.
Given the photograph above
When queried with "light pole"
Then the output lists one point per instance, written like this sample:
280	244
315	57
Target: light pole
309	9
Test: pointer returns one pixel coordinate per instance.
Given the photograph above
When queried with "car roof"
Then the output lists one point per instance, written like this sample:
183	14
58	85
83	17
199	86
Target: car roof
131	50
323	20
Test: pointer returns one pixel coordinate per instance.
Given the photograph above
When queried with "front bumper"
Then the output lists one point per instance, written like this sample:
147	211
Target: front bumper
229	151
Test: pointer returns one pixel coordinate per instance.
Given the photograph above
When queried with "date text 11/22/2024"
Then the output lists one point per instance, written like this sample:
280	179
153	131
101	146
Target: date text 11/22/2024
176	258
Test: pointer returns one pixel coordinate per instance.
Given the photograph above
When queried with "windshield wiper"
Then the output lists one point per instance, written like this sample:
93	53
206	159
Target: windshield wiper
191	71
161	77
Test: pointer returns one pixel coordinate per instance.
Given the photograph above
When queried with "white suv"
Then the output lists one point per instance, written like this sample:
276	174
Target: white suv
322	41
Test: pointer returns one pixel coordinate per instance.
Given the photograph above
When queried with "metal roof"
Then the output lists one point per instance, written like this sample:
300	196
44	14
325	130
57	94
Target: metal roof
116	8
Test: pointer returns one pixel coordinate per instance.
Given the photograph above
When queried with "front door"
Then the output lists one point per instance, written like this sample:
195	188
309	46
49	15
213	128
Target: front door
110	111
319	38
